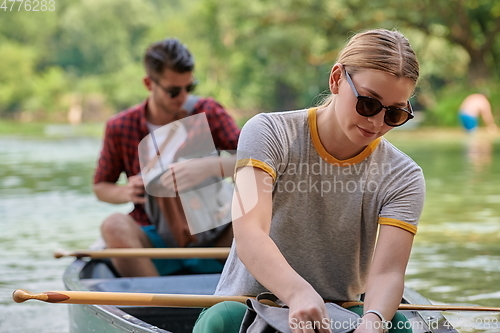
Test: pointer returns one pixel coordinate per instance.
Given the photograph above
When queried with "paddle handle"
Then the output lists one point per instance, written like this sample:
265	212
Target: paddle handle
432	307
165	253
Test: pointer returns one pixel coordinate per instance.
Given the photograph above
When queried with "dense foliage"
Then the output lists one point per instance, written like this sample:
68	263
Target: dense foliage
251	56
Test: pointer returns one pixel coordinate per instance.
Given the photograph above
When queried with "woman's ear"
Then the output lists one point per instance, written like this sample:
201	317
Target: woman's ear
334	81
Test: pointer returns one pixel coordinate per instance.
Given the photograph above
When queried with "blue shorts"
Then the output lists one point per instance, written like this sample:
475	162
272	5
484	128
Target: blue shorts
468	122
173	266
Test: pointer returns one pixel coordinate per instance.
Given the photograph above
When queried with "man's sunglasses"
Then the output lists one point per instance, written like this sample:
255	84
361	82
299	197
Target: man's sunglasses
173	92
368	107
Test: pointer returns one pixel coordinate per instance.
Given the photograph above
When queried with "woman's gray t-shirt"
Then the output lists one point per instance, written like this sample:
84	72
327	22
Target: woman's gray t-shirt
326	211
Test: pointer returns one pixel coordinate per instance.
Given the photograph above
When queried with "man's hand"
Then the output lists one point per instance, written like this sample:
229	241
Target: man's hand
184	175
134	190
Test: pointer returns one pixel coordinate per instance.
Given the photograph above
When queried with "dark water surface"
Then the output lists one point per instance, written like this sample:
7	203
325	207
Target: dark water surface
46	203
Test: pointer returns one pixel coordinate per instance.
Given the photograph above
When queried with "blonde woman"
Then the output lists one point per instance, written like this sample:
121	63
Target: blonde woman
325	183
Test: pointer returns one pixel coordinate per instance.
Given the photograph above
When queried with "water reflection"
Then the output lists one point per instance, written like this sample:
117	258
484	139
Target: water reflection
480	150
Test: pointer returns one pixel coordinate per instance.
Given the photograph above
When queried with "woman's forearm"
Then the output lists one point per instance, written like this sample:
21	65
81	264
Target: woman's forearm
252	212
265	262
384	293
385	285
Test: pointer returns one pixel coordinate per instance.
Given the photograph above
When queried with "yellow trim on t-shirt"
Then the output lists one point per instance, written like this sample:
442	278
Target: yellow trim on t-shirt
397	223
256	164
313	126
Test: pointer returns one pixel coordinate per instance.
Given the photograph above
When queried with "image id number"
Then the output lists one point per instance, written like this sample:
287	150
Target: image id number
28	5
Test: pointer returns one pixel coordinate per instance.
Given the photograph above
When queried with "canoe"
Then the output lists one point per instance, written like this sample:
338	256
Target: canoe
97	275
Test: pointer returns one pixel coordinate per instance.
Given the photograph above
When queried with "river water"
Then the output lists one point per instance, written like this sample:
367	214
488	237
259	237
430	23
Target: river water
46	203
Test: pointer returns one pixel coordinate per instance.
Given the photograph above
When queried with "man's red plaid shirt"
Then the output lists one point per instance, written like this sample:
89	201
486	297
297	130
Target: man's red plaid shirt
125	130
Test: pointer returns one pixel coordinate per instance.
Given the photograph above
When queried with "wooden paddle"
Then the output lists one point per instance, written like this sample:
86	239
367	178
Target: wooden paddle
170	253
189	301
128	299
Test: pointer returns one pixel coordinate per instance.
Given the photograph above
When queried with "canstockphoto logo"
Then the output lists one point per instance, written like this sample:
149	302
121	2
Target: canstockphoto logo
177	160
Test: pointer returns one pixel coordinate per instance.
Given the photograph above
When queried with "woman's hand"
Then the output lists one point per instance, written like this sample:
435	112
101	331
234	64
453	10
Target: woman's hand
308	313
370	323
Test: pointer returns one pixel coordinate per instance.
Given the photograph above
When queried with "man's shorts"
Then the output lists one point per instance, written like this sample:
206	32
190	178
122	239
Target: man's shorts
468	122
180	266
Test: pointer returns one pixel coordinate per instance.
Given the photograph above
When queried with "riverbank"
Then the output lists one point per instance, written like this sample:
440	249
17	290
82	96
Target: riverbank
34	129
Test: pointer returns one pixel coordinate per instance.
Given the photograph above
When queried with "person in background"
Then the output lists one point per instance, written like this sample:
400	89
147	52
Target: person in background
325	183
169	79
473	107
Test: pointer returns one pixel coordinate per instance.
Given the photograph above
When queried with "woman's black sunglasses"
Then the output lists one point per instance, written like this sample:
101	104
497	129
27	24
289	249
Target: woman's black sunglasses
368	107
173	92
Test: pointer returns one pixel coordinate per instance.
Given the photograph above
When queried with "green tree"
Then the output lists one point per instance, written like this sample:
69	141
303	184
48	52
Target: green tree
17	70
277	54
474	25
50	90
103	36
258	56
33	30
265	53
